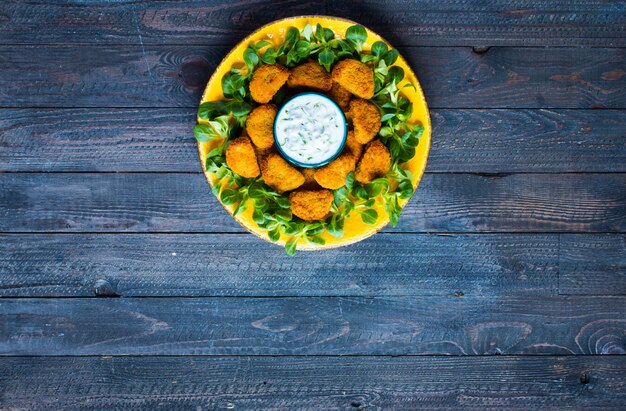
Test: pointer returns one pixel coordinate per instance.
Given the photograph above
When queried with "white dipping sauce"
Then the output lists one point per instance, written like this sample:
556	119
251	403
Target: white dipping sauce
310	129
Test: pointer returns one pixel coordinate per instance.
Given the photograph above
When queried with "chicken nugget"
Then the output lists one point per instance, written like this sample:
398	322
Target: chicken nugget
278	174
352	146
340	95
375	162
241	157
333	175
355	77
266	81
309	179
366	120
260	126
260	154
310	75
311	205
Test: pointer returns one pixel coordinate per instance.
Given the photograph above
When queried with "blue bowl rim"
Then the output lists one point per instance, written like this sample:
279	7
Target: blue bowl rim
334	156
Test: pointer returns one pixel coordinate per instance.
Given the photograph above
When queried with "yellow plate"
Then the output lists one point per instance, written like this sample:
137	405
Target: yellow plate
354	229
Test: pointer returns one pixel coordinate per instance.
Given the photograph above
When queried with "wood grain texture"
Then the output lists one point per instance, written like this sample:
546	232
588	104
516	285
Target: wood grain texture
505	141
231	265
108	76
517	202
174	76
592	264
504	77
481	141
537	325
500	22
425	22
98	140
328	383
241	265
309	382
71	202
144	21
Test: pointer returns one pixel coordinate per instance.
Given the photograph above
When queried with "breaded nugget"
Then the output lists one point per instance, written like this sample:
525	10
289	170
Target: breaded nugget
310	75
355	77
260	154
260	126
278	174
352	146
366	120
340	95
311	205
266	81
241	157
309	179
333	175
375	162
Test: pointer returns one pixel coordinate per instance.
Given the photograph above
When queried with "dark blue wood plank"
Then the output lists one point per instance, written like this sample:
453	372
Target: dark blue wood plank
470	383
143	22
482	141
506	77
504	141
494	22
592	264
98	140
239	264
537	325
421	22
174	76
183	203
106	76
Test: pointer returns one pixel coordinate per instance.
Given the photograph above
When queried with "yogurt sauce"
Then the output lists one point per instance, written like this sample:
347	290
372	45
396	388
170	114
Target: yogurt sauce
310	130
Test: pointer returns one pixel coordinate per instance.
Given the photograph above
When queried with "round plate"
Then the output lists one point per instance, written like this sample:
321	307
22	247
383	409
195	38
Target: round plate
354	229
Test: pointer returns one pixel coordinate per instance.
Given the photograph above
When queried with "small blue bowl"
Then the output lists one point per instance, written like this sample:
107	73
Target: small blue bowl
334	156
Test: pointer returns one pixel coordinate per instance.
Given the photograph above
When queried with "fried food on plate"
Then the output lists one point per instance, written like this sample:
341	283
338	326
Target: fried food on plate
375	162
260	126
262	152
333	175
352	146
241	158
309	179
366	120
279	174
311	205
310	75
355	77
340	95
266	81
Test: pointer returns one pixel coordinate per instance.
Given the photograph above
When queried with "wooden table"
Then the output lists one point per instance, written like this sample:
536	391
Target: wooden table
503	286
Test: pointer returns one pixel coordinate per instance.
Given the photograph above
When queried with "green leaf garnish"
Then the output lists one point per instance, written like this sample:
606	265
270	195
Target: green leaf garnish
274	234
369	216
229	196
379	49
356	35
326	59
391	56
395	74
290	246
316	239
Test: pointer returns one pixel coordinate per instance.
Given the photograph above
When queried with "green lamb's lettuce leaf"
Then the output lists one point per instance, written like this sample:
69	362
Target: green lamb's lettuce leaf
356	35
369	216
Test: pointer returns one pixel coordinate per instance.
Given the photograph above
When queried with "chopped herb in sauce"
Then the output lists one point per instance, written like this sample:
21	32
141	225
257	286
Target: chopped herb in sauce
314	130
